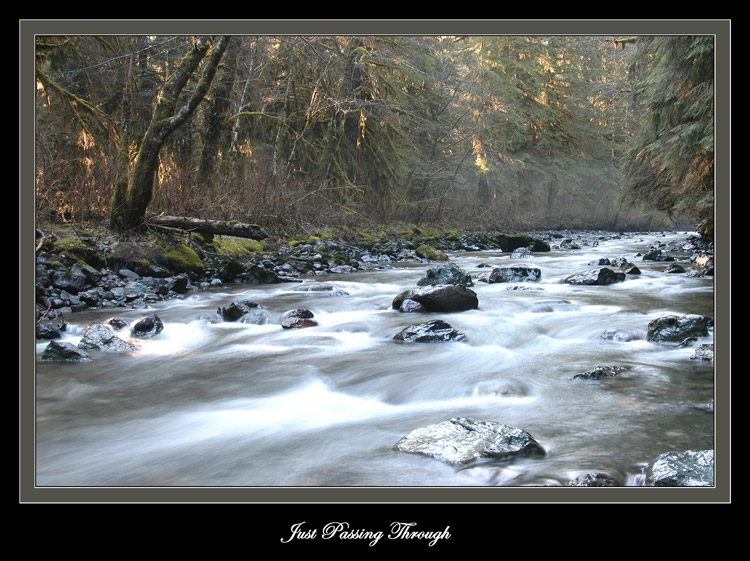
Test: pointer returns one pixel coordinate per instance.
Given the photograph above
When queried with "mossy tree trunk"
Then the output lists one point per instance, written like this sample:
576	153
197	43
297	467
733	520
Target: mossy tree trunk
131	198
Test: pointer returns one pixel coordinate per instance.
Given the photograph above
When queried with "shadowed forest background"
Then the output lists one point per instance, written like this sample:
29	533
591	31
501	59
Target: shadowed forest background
293	132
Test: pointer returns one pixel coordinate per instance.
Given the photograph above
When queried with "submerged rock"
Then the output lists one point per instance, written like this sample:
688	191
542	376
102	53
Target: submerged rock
461	440
674	329
430	332
58	351
682	469
450	298
623	335
601	276
322	289
600	372
297	323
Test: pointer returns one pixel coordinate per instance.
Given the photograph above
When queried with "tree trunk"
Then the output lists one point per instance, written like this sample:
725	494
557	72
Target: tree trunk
217	114
128	209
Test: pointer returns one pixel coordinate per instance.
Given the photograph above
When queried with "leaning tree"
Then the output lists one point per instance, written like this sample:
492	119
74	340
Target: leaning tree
135	180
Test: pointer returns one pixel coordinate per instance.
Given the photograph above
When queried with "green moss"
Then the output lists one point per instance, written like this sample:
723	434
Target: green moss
237	248
76	250
427	252
184	259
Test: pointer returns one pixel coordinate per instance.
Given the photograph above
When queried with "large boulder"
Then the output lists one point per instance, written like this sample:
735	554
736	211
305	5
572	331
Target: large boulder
682	469
430	332
100	337
600	276
448	298
447	273
462	440
675	329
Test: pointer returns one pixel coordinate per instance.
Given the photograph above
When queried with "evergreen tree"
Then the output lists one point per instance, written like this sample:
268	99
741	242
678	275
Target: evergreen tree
671	160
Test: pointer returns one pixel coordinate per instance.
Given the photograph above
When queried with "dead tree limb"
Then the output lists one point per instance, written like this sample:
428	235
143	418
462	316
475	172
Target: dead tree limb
212	227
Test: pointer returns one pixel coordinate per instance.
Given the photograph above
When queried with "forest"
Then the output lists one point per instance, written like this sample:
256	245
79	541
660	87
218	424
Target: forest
515	132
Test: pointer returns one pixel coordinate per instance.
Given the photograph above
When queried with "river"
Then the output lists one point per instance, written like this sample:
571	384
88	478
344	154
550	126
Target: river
208	403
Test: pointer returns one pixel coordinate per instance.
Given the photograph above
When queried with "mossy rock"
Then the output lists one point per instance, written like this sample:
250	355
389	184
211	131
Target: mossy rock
510	242
77	251
428	252
183	259
237	248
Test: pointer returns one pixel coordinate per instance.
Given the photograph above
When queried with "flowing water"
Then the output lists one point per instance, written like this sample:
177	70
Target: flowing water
208	403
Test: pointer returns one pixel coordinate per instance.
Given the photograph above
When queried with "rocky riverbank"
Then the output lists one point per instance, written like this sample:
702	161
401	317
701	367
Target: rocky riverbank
79	268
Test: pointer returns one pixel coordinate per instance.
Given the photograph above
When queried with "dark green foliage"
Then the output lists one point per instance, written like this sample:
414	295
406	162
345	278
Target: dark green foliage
671	160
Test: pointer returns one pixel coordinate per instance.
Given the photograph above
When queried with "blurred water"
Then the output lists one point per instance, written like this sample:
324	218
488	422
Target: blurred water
225	404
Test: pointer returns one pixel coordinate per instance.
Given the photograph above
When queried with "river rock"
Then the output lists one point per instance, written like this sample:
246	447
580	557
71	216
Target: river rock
449	298
676	268
601	276
657	255
412	307
704	352
59	351
147	327
596	479
447	273
46	331
72	281
297	323
514	273
623	335
298	319
100	337
303	313
433	331
600	372
322	289
237	310
629	269
117	323
341	269
462	440
521	253
674	329
682	469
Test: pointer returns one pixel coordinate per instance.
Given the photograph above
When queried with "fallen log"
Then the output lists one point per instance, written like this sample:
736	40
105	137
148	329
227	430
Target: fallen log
212	227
